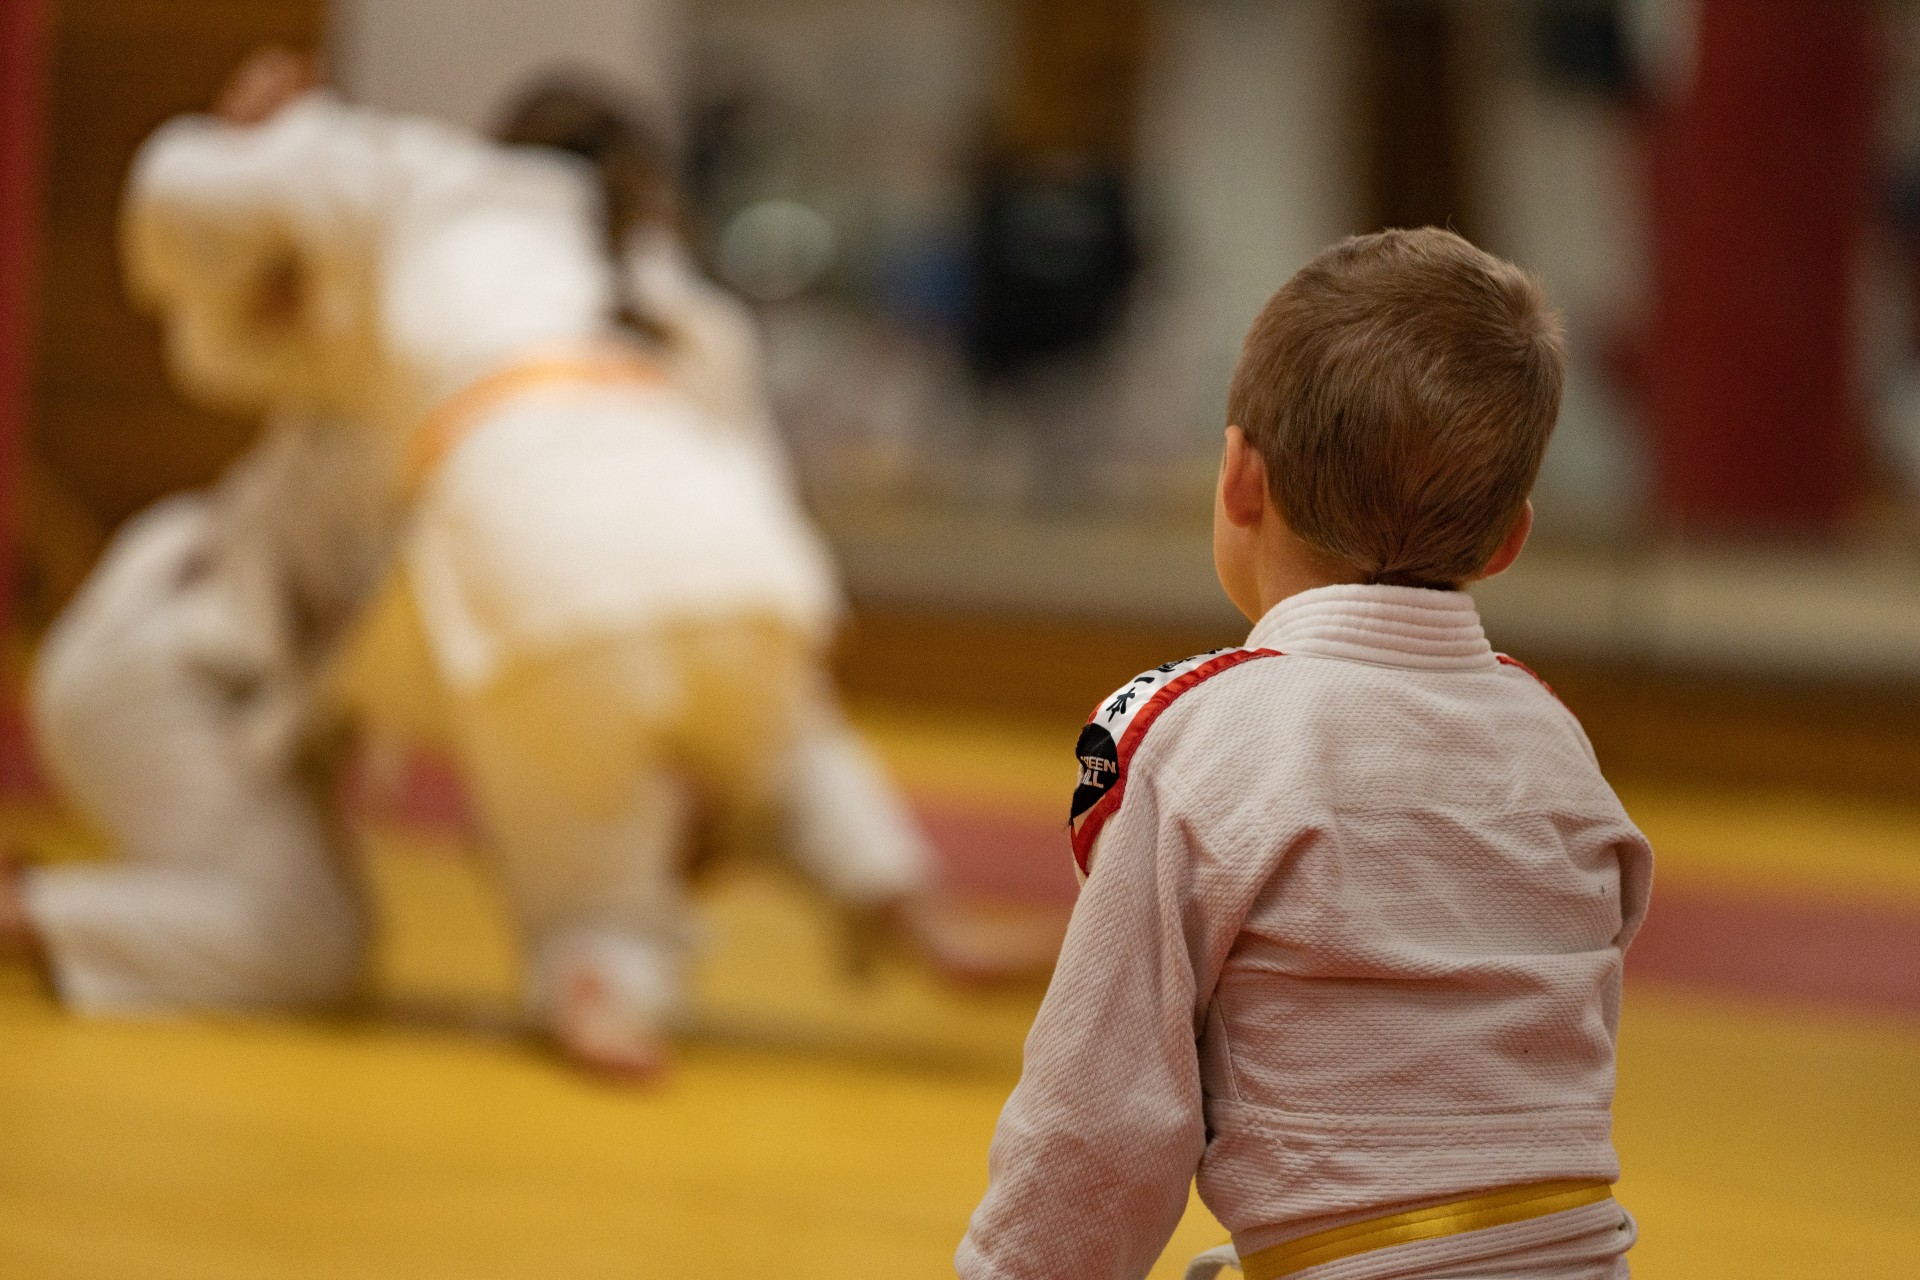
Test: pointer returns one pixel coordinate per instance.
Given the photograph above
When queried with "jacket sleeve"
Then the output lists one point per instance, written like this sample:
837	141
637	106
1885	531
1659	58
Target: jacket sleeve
1096	1148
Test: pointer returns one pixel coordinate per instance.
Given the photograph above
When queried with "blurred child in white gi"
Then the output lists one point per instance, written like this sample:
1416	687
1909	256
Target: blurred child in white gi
1349	945
171	702
607	600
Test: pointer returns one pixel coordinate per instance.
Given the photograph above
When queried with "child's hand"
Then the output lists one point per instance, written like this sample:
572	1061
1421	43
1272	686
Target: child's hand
266	80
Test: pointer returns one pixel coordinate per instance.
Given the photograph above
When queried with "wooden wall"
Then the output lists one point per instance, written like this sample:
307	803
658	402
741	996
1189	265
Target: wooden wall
108	434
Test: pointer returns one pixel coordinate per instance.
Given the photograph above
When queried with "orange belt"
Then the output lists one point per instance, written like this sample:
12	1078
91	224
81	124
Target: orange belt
1495	1209
608	364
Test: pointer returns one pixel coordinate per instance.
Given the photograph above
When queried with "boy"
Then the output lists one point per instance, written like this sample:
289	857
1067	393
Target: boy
1356	895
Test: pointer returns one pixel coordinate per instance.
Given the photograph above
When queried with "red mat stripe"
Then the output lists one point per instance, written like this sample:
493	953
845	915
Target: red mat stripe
1849	955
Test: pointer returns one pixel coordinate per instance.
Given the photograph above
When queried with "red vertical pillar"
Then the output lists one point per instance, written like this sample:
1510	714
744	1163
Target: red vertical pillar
23	52
1759	195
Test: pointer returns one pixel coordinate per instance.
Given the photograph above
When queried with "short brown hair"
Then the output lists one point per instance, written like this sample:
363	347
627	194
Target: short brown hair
1401	388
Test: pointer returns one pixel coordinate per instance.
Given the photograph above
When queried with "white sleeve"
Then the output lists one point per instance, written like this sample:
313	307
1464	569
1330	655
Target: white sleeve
1095	1150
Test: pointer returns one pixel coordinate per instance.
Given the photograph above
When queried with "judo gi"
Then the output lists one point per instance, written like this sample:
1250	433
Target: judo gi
171	702
1349	946
605	597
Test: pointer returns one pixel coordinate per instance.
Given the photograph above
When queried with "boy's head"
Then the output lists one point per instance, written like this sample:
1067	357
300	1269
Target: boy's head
1400	390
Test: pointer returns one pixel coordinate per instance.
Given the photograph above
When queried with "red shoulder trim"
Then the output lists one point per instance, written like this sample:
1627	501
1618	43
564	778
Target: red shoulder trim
1086	827
1506	661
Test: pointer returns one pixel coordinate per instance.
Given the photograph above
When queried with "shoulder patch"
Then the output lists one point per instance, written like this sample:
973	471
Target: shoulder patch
1114	730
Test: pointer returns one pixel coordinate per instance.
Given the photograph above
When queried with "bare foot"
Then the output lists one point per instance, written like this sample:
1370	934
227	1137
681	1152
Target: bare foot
599	1033
266	80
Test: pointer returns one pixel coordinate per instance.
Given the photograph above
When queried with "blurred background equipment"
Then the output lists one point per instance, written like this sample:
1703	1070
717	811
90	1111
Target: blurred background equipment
1002	254
1053	236
1762	172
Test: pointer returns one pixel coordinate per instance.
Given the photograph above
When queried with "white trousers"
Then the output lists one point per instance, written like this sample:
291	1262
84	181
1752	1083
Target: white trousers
594	773
599	774
230	890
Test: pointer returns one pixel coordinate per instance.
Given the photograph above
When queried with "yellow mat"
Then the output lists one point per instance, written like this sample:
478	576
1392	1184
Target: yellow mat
843	1126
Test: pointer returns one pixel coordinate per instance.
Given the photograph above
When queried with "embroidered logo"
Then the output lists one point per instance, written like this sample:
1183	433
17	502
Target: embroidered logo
1099	768
1111	735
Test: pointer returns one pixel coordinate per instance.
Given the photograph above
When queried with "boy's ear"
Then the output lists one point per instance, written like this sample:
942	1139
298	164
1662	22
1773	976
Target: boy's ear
1510	545
1243	481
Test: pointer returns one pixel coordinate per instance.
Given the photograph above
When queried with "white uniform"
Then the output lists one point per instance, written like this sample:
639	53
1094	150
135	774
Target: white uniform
170	702
1350	943
606	589
626	615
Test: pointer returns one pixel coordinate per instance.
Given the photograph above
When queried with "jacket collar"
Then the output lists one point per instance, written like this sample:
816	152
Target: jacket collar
1391	626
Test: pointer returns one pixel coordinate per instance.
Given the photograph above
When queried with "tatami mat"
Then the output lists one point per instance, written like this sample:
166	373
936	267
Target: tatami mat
814	1126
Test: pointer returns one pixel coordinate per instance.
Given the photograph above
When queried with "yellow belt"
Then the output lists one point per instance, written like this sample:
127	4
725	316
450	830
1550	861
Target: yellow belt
1495	1209
592	364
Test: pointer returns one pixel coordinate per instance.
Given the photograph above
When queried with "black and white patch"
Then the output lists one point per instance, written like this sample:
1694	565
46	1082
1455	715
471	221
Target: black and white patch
1099	754
1099	744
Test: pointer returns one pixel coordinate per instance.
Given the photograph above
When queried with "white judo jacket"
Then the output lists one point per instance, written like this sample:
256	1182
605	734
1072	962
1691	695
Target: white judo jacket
593	548
562	513
577	512
1350	942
